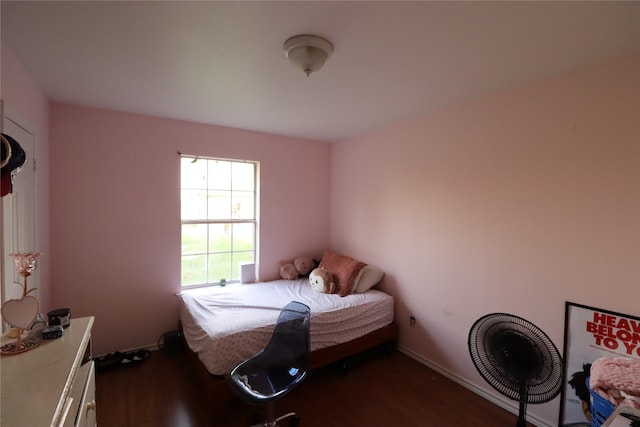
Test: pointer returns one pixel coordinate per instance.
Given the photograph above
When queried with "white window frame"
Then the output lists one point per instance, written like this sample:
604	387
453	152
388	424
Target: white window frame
253	220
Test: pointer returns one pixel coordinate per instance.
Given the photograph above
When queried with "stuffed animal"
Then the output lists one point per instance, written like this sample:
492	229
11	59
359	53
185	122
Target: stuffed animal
288	271
321	281
304	265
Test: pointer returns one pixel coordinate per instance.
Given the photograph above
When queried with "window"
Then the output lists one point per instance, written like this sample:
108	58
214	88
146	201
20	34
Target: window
218	212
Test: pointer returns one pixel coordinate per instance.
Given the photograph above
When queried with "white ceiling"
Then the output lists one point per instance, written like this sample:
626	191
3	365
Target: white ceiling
222	62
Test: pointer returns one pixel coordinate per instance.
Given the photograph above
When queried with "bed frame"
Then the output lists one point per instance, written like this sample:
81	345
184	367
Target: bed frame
218	392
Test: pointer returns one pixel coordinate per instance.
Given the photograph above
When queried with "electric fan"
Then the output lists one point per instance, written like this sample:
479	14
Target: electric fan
517	359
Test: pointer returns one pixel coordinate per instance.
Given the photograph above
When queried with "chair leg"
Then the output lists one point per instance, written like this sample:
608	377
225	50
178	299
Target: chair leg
271	421
295	419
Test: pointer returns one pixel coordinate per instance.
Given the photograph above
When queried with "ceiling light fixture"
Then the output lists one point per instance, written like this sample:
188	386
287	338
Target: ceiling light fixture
308	52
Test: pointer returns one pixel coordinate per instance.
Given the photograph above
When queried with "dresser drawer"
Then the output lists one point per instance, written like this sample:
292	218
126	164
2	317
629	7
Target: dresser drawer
87	409
81	399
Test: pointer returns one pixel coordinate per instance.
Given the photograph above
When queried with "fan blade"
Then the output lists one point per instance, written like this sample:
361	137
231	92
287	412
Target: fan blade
516	353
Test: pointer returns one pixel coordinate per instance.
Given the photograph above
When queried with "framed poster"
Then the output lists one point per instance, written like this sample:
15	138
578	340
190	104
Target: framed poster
589	334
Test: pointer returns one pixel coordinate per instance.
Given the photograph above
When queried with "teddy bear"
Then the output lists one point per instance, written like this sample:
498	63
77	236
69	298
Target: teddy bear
301	266
321	281
304	265
288	271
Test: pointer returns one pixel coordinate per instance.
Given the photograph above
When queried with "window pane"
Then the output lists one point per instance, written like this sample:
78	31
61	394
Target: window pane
243	177
219	175
219	204
220	267
220	238
193	174
243	205
194	270
194	239
194	204
243	235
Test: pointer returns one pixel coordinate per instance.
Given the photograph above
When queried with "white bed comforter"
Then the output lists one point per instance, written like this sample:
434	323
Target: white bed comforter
226	325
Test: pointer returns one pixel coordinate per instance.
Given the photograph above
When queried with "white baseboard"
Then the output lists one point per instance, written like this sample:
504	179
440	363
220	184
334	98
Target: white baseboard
505	404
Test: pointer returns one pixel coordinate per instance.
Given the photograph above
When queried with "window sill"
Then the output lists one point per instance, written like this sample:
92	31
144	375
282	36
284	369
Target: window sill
205	289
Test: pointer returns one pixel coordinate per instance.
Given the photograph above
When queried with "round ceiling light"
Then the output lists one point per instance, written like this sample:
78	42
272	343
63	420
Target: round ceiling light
308	52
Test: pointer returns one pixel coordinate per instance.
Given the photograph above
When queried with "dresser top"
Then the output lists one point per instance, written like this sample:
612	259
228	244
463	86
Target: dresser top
34	385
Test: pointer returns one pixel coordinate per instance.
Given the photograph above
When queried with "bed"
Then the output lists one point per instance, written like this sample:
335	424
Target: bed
223	326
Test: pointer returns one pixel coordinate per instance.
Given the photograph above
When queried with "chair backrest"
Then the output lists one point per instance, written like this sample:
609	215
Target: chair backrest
290	342
282	364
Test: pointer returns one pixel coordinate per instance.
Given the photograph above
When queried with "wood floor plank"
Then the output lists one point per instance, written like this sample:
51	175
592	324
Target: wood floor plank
392	390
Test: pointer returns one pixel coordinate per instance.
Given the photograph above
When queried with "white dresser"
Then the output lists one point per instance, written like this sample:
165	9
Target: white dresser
51	385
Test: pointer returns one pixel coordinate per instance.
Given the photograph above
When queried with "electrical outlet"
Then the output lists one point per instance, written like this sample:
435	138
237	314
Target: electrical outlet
412	321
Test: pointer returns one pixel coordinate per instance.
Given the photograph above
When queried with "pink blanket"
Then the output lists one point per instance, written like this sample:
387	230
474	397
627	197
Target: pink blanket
617	379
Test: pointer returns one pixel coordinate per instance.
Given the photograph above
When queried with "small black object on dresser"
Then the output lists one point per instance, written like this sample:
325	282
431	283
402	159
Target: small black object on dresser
52	332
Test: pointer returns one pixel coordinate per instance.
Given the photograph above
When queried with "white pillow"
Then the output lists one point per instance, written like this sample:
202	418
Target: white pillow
370	277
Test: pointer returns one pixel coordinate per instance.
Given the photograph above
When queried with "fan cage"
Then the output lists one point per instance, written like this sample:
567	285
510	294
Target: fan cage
539	386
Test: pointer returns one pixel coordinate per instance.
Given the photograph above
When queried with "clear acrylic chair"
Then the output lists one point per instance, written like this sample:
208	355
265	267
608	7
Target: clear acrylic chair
279	367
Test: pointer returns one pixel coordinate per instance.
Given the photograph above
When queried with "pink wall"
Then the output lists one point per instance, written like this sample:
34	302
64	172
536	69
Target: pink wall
115	212
20	94
515	203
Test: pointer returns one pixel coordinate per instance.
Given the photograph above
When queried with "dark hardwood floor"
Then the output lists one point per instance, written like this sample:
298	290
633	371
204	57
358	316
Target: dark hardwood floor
382	390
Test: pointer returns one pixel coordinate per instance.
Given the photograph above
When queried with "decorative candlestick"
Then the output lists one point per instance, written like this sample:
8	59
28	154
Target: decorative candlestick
25	264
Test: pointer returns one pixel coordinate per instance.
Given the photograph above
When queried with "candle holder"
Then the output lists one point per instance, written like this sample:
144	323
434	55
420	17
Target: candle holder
25	263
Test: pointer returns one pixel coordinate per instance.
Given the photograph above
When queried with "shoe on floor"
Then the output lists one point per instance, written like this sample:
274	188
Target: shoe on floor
108	362
134	357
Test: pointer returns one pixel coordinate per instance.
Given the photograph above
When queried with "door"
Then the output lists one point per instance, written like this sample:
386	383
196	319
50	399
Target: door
19	209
